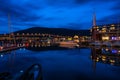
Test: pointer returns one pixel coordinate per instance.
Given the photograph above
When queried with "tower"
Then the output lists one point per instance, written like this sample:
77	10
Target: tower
94	28
94	19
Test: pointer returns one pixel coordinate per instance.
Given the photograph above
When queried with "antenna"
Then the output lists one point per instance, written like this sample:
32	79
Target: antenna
94	25
94	18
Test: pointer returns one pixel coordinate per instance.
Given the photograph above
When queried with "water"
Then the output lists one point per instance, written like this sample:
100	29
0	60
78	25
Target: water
69	64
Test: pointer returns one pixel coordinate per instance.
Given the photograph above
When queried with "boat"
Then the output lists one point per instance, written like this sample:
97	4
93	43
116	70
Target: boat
32	73
9	46
68	44
5	76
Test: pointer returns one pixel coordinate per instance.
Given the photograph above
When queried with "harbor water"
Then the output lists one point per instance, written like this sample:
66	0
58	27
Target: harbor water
65	64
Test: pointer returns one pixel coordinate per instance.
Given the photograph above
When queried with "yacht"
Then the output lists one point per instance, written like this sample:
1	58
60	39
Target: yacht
68	44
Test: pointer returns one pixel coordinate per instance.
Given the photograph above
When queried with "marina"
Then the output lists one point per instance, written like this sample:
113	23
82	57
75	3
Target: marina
59	40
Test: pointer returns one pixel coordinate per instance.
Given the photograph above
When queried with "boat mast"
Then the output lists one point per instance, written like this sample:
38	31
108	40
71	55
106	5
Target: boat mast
94	19
11	34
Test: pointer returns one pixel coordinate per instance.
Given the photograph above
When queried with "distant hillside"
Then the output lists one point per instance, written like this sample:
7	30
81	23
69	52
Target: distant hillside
57	31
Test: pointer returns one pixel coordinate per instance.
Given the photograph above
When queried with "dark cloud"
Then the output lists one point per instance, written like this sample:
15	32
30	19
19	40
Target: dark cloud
7	8
32	24
31	18
15	28
56	2
116	7
72	14
76	26
31	6
115	18
94	2
82	1
16	12
49	19
61	3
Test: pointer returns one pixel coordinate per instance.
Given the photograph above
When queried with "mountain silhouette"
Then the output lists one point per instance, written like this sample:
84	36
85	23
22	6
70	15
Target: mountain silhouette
55	31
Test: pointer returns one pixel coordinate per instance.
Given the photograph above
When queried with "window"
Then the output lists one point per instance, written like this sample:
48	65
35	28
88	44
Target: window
105	38
27	33
17	33
112	28
23	33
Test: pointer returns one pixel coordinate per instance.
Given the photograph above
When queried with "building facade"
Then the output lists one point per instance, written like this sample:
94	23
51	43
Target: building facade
109	32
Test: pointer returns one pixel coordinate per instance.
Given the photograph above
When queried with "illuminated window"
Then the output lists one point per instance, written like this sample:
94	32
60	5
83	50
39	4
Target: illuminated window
76	36
105	38
27	33
97	29
90	30
114	38
70	38
104	28
118	38
112	28
31	33
23	33
17	33
103	31
43	34
35	33
114	51
112	25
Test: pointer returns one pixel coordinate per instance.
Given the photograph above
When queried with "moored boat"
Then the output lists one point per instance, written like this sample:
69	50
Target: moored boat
68	44
32	73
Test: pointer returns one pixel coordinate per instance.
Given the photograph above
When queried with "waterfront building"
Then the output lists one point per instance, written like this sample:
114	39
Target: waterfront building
106	34
76	39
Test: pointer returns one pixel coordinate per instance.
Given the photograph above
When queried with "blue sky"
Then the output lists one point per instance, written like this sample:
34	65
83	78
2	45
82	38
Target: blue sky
71	14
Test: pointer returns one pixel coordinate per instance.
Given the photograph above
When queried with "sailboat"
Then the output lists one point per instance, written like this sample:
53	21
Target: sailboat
11	44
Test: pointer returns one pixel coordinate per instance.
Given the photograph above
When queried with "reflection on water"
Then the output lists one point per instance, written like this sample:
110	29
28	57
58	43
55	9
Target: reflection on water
66	64
106	55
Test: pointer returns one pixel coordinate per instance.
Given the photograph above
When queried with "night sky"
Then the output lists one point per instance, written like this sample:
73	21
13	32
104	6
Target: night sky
71	14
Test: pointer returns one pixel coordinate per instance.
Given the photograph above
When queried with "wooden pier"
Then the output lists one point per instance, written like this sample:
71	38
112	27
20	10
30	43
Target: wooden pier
9	49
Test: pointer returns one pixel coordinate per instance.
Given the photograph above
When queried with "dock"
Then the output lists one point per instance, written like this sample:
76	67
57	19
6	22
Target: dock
9	49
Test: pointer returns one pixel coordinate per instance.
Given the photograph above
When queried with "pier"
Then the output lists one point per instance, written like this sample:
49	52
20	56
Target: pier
9	48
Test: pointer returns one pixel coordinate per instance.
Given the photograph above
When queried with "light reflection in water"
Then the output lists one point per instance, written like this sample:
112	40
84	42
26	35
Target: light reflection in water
74	63
1	55
106	55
